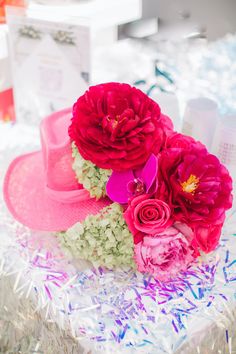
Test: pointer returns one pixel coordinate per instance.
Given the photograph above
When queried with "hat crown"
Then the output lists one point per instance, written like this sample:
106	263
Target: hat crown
40	188
61	183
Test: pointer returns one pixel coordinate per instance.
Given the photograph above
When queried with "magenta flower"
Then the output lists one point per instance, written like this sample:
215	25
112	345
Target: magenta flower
122	186
197	188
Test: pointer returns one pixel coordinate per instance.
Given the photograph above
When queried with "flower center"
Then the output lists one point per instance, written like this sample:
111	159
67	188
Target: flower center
136	186
191	184
113	121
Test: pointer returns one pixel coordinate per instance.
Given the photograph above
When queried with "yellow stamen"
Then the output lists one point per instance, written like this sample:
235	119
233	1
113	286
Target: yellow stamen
190	185
114	122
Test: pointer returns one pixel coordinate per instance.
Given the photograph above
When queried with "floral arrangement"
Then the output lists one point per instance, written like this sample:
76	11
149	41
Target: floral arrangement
168	194
103	239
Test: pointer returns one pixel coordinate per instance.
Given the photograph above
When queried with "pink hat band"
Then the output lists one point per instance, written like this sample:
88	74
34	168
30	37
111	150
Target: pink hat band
67	196
46	181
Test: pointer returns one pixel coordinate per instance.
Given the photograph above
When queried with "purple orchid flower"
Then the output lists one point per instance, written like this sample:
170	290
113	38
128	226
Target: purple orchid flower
123	185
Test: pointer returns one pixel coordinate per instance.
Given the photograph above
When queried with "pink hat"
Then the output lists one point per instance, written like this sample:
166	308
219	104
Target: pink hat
40	188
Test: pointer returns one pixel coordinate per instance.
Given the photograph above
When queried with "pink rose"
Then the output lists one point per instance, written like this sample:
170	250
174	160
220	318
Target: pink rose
164	256
148	216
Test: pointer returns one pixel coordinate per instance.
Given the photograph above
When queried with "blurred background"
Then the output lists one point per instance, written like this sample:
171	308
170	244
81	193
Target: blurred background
182	53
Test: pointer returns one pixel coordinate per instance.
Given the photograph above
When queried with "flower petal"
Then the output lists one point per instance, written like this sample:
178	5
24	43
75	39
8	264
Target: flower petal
149	172
117	186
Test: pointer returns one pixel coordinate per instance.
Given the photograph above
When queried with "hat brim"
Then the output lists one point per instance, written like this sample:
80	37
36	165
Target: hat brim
27	199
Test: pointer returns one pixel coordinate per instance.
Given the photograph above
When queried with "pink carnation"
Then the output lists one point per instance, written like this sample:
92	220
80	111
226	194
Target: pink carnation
164	255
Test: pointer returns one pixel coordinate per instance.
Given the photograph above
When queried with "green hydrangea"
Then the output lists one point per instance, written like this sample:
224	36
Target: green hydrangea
93	178
103	239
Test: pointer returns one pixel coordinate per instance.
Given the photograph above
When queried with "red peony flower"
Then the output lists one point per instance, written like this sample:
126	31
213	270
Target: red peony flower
181	141
197	187
117	126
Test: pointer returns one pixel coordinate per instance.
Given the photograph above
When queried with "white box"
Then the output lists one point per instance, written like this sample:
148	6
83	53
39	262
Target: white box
100	13
50	64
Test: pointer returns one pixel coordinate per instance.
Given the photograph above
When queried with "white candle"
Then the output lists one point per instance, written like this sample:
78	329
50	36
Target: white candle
200	119
224	144
169	106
